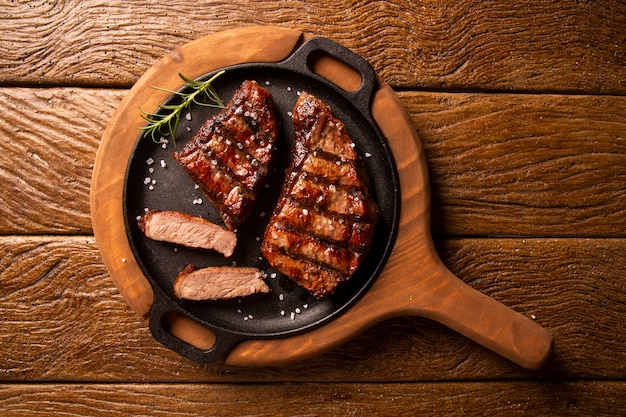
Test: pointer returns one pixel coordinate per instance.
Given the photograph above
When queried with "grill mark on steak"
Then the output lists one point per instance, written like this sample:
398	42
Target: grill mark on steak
231	155
313	191
324	222
294	243
317	279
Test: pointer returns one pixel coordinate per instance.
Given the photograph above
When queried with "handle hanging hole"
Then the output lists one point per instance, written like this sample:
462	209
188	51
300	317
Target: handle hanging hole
334	70
188	330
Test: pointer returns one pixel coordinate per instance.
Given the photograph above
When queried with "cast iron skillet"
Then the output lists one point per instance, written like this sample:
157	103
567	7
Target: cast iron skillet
287	309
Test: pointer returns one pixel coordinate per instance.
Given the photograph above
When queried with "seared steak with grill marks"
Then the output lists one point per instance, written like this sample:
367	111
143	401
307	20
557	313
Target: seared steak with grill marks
219	282
324	222
230	157
186	230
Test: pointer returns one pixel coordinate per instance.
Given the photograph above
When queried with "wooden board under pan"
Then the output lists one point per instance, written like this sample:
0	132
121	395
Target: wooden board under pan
406	277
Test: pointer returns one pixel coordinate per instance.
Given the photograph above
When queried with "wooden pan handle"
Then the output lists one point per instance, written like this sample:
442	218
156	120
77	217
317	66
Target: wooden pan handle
433	290
485	321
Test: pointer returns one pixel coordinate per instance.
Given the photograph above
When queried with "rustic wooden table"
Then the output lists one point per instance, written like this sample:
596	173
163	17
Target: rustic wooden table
521	111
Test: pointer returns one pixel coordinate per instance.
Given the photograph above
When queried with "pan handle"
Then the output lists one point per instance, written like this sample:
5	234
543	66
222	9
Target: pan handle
362	97
162	308
484	320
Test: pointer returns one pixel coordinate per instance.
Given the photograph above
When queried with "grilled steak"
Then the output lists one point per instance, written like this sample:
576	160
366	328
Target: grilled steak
186	230
230	157
324	222
218	282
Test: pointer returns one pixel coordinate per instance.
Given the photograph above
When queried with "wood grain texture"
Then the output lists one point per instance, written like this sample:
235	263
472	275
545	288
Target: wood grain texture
65	321
558	398
541	165
502	163
498	45
50	137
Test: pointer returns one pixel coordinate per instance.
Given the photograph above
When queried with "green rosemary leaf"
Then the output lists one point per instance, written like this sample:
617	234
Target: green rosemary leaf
166	124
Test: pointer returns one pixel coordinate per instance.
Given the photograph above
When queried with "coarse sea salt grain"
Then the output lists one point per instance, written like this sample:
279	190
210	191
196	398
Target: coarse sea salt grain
293	315
188	116
163	164
149	161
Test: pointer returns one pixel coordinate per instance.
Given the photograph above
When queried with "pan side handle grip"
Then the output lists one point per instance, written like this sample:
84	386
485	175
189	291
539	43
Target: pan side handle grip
489	323
173	328
357	73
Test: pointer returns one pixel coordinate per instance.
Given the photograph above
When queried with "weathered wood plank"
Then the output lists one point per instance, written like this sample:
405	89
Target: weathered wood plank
500	164
50	138
521	45
567	398
63	320
524	164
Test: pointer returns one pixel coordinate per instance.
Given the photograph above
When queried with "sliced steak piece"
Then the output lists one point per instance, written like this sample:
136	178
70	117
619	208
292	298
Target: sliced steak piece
219	282
324	222
183	229
230	157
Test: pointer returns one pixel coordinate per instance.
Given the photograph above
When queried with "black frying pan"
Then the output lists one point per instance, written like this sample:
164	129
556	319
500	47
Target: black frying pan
287	309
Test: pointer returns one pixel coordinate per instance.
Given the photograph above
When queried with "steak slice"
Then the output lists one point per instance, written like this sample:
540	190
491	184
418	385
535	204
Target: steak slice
183	229
230	157
324	222
218	282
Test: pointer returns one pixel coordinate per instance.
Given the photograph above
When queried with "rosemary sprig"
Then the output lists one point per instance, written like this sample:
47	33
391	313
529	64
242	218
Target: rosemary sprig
167	123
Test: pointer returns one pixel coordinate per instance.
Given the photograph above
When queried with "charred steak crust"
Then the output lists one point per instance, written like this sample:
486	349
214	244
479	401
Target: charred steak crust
324	222
231	156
